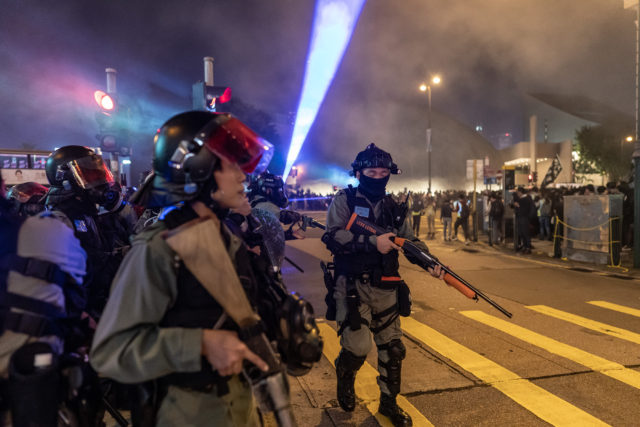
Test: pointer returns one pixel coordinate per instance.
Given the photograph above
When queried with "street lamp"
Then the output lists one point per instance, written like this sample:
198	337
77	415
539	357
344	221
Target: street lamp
426	87
622	141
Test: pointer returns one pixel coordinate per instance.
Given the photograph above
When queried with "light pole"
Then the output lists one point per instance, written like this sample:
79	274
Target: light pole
426	87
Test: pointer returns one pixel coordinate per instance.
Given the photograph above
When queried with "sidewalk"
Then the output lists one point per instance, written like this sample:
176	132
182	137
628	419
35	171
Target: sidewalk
542	250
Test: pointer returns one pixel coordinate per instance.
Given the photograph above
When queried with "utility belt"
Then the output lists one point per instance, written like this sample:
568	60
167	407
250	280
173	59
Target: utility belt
402	306
205	381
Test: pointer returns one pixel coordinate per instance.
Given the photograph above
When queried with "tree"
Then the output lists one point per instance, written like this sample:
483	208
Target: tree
603	149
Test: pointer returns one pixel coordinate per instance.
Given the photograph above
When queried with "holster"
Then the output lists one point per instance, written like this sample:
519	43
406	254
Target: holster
330	284
145	403
34	391
353	319
404	300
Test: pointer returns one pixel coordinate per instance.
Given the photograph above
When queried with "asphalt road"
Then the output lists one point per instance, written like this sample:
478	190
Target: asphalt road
569	356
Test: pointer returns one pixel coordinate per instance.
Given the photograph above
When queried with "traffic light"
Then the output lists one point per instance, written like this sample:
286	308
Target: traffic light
106	118
535	177
209	97
530	178
112	134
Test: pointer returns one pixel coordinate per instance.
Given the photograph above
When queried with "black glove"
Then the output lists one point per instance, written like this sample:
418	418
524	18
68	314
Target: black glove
289	217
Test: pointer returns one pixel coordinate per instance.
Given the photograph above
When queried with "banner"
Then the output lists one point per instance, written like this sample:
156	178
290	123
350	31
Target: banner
552	173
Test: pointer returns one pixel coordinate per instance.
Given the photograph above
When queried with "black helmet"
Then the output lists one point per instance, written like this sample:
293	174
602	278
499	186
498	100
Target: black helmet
186	150
374	157
77	167
271	187
74	170
28	197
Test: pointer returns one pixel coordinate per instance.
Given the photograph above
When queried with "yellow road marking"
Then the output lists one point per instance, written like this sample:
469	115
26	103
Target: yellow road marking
366	384
616	307
587	323
596	363
540	402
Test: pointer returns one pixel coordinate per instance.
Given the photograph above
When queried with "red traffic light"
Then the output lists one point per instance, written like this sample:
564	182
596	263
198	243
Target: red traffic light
226	96
217	95
104	100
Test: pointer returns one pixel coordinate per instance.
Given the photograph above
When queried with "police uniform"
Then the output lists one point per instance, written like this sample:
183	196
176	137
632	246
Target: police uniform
152	326
161	335
366	290
41	270
80	181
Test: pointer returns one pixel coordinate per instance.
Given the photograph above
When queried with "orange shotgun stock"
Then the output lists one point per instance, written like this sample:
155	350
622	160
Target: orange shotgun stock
424	259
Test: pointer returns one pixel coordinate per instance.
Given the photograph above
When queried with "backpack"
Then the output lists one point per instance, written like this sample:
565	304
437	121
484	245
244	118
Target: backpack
465	211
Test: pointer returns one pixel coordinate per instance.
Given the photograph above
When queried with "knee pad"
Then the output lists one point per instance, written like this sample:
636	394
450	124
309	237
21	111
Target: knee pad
396	351
348	361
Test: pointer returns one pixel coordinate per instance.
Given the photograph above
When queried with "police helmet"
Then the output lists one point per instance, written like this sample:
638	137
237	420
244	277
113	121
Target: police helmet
77	167
28	197
187	149
269	186
78	170
374	157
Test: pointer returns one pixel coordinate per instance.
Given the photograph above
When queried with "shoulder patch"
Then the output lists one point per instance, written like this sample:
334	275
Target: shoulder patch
80	225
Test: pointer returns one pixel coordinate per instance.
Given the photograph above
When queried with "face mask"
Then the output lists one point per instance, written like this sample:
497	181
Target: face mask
373	188
107	196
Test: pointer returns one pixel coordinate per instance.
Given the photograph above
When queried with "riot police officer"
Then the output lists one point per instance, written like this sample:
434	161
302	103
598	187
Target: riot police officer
81	186
367	281
268	202
41	271
160	323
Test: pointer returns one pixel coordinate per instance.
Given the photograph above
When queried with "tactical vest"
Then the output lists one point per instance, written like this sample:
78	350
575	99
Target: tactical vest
196	308
374	263
36	318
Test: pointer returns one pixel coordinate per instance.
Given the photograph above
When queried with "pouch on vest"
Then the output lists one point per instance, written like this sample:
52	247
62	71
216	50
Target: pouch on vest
34	385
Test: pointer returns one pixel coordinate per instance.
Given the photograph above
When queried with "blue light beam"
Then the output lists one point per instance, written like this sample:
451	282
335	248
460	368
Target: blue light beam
333	25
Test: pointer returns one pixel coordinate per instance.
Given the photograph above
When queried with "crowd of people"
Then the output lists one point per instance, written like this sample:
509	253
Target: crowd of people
535	210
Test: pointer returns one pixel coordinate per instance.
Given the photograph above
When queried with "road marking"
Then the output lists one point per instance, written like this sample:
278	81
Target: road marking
596	363
540	402
587	323
366	383
616	307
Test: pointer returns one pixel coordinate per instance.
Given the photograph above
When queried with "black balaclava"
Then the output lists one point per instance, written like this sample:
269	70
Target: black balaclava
373	188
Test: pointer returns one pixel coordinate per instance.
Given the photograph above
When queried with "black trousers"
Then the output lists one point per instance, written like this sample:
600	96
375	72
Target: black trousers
464	222
524	234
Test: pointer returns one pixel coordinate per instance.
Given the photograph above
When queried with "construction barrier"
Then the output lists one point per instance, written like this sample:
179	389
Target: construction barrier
591	229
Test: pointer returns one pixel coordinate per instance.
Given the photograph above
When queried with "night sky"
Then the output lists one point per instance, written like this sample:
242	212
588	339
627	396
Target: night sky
489	53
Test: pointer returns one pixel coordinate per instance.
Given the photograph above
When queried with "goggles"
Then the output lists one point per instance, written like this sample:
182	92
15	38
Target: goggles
228	137
90	172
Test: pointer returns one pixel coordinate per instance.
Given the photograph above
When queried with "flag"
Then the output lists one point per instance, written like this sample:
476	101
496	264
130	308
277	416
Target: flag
552	173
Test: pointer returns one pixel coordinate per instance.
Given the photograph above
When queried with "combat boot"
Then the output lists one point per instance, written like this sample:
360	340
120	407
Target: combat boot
389	408
347	365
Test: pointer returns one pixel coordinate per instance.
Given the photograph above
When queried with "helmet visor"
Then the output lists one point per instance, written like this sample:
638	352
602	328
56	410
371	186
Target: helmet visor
90	171
228	137
24	192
